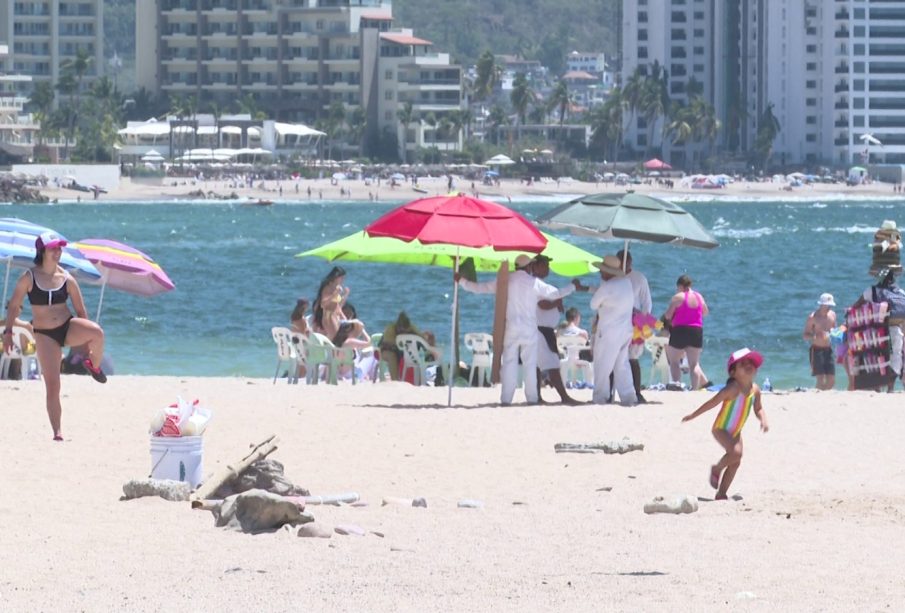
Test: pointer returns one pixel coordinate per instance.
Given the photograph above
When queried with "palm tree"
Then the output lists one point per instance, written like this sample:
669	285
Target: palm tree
358	125
406	116
488	75
560	100
75	67
497	119
767	129
67	85
42	102
682	127
459	120
521	97
709	127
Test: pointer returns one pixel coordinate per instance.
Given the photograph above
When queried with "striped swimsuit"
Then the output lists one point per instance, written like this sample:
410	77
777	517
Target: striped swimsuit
734	413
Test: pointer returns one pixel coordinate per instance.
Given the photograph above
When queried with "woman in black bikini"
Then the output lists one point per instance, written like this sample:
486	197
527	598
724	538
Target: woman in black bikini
54	325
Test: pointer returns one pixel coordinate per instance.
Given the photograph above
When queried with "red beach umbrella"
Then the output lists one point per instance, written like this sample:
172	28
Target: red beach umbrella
656	164
461	221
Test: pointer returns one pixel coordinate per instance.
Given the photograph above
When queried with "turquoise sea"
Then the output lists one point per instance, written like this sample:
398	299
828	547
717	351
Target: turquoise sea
236	277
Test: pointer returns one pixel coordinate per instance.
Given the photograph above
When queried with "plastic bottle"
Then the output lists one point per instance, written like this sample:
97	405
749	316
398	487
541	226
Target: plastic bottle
767	386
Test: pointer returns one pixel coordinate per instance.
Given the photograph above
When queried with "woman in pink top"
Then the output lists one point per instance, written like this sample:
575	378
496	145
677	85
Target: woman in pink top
686	312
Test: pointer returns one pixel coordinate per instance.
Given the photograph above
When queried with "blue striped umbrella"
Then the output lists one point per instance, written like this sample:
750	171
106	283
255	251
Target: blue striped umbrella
17	247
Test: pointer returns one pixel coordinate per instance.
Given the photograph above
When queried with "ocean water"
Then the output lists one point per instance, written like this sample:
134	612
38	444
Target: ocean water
236	277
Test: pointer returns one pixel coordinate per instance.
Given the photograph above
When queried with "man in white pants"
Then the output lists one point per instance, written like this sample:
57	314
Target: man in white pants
642	304
613	302
521	325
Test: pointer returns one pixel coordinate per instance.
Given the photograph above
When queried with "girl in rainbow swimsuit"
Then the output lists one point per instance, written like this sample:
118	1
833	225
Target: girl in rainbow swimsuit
737	398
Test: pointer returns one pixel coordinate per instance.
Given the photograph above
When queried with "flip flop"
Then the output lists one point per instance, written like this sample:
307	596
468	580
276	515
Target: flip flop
714	478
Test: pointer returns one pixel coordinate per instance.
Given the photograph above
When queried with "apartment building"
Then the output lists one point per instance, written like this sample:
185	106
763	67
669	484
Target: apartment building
830	72
43	34
295	58
17	128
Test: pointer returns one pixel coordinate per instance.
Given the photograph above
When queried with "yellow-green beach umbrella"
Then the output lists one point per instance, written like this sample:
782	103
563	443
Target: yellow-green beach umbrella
567	259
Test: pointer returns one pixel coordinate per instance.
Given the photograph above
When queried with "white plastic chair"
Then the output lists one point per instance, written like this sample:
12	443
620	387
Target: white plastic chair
481	345
382	369
27	361
339	357
317	355
288	353
659	365
417	356
571	367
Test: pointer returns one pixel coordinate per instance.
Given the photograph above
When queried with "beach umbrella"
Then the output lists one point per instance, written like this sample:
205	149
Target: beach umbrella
629	217
656	164
152	156
17	248
124	268
459	221
567	259
500	160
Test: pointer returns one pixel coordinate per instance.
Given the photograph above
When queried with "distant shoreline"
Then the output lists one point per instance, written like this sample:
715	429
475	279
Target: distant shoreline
508	189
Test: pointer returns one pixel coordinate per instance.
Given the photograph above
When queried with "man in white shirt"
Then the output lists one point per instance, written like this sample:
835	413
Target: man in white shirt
521	334
643	304
613	301
548	315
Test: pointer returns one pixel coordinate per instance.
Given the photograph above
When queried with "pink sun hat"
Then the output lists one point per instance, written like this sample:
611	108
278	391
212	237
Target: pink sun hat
742	354
49	240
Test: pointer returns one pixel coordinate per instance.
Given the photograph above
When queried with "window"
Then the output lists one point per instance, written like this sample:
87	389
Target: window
811	49
642	17
811	66
859	49
859	31
319	25
388	95
642	35
859	13
388	116
388	75
859	67
858	121
811	120
858	103
699	50
699	68
811	138
810	102
859	85
699	33
642	53
810	84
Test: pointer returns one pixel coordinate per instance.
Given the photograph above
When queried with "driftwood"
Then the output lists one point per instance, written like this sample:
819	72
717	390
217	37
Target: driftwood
334	499
231	471
623	446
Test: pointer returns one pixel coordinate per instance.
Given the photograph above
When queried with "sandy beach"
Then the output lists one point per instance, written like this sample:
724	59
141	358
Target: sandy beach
819	525
180	188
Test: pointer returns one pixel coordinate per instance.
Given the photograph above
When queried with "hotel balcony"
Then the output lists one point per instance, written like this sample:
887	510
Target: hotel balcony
842	86
843	69
12	103
841	141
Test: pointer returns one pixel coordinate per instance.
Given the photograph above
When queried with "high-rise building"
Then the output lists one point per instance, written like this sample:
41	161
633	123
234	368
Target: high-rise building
296	59
42	35
17	128
829	72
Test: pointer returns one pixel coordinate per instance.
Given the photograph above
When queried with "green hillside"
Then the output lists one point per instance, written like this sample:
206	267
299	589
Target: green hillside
544	30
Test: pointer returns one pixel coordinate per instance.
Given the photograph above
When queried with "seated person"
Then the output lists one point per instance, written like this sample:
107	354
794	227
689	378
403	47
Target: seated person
388	349
572	325
298	320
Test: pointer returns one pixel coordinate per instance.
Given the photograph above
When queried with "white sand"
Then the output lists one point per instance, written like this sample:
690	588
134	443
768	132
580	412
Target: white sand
179	188
820	526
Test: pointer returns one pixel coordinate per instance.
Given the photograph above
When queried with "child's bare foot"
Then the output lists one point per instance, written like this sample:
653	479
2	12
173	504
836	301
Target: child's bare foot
721	497
714	477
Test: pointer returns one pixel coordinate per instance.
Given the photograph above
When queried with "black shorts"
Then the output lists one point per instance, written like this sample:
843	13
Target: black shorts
822	361
683	337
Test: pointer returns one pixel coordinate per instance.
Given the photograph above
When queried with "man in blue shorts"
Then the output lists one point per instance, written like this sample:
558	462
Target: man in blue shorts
817	333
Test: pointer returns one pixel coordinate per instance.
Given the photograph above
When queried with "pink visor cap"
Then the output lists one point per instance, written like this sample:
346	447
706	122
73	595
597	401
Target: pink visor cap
49	240
742	354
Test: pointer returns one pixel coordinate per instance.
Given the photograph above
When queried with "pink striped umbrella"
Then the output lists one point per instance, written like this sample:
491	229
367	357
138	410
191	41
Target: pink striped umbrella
124	268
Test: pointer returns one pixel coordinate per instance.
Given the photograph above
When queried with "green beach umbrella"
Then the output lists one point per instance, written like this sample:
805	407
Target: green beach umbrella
567	260
629	217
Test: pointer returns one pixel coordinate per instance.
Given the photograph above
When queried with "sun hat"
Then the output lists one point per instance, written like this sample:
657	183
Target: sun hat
49	240
611	265
522	261
826	300
742	354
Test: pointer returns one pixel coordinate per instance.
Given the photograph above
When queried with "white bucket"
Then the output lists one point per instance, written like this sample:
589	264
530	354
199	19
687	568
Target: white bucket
178	458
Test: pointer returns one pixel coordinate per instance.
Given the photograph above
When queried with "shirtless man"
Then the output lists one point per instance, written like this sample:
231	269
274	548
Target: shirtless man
817	332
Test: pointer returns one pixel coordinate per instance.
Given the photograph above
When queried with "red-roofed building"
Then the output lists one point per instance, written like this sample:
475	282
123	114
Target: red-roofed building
297	59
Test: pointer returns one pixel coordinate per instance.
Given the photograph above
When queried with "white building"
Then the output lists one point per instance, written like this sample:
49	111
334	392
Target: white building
296	58
43	34
831	72
18	129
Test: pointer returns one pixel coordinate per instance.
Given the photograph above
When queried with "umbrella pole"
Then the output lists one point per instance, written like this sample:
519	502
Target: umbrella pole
100	302
624	256
9	265
452	337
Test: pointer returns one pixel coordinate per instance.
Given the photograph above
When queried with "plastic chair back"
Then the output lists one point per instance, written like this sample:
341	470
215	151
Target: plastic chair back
417	356
481	346
573	369
288	352
659	365
30	368
383	367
